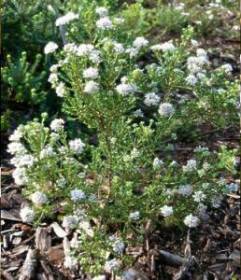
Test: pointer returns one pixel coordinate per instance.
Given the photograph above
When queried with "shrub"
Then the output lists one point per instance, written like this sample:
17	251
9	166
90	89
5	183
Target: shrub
110	191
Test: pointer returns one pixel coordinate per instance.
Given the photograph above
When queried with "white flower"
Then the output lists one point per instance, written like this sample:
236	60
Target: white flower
85	49
76	146
60	89
46	152
201	52
199	196
70	16
151	99
99	277
61	182
165	47
57	124
201	149
125	89
166	211
91	87
70	262
16	148
39	198
185	190
140	42
70	222
130	274
95	56
17	134
227	68
217	201
134	216
138	113
102	11
104	23
118	48
134	153
194	43
118	247
23	160
232	187
91	73
166	109
191	221
111	265
50	48
27	214
77	195
190	166
191	80
20	176
86	227
70	48
53	79
54	68
133	52
195	63
157	163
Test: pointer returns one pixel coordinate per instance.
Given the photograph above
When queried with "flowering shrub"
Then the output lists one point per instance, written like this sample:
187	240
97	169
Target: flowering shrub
107	192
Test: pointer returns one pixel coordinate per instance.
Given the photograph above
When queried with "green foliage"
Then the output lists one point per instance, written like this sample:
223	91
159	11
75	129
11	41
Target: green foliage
23	81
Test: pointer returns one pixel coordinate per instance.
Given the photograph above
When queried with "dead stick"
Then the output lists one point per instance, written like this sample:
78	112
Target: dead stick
29	266
171	259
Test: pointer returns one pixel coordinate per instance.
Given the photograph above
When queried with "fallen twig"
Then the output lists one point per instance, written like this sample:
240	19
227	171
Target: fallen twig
29	266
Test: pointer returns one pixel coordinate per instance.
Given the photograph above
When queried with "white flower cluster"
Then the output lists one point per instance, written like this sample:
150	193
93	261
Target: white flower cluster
91	73
63	20
104	23
39	198
166	109
227	68
27	214
165	47
125	89
57	125
16	148
102	11
134	216
118	246
191	221
76	146
20	176
111	265
91	87
185	190
99	277
151	99
190	166
47	152
118	47
70	222
195	66
166	211
199	196
21	158
50	47
138	44
157	163
77	195
83	50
